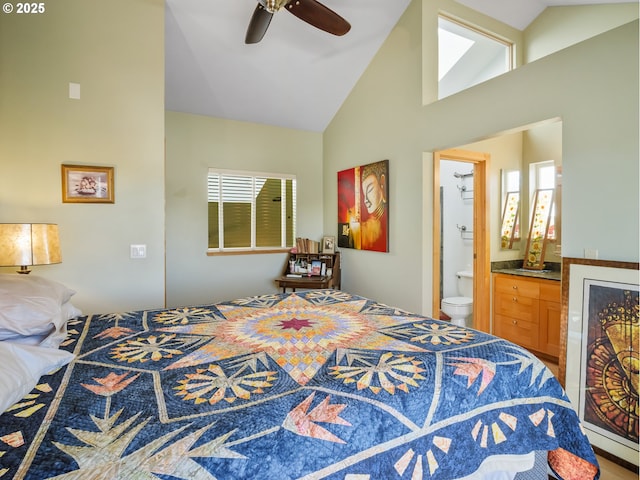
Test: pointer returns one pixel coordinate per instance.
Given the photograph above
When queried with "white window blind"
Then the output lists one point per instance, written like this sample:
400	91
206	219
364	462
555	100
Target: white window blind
250	211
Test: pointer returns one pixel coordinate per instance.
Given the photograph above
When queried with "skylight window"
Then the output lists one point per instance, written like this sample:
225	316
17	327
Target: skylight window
452	48
468	56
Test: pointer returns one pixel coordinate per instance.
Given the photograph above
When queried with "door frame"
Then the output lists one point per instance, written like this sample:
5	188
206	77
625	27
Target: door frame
481	245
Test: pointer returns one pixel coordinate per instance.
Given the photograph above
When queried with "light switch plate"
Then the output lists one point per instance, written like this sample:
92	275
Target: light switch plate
74	91
138	251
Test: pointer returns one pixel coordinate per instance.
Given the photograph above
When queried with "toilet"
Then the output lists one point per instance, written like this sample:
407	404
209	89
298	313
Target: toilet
460	308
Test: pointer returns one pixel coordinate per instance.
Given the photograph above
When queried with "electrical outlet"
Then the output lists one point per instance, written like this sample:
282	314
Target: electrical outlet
591	253
138	251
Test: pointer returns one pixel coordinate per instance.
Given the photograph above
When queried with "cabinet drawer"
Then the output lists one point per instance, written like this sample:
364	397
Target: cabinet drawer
517	306
515	285
517	331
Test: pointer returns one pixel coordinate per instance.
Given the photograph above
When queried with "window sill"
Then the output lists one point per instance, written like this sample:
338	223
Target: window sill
260	251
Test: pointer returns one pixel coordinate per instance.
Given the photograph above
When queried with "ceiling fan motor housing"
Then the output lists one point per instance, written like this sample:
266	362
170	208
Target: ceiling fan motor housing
273	6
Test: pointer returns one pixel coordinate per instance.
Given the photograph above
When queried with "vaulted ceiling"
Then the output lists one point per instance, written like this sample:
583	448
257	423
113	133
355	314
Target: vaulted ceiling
297	76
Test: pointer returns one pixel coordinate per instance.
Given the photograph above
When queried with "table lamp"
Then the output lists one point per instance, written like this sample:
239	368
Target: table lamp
26	244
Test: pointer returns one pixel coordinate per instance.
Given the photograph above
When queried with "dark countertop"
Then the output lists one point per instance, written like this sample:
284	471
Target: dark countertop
513	267
543	274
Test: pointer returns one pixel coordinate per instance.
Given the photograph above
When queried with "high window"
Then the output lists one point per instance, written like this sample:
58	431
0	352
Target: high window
468	56
542	176
251	211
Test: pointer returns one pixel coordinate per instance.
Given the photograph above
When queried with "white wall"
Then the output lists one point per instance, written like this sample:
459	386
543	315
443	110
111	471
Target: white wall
193	144
593	92
114	50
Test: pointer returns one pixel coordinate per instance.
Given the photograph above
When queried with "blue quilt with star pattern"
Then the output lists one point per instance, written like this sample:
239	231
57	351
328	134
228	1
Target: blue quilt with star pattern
306	385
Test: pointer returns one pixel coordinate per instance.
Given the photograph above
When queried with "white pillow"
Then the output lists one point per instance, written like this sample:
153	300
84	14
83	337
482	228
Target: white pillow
52	338
70	311
56	337
33	285
21	367
31	305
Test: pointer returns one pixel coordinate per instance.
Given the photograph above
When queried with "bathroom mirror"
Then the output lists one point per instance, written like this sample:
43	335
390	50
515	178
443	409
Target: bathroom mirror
538	230
511	208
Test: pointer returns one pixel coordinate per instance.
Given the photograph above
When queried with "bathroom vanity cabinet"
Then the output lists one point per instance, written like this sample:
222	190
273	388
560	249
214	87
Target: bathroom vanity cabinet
526	311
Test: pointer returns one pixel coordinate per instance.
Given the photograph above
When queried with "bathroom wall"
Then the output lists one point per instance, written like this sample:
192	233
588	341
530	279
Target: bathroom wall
457	211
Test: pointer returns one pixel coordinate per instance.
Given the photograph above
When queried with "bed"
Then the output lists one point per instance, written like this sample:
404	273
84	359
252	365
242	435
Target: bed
313	384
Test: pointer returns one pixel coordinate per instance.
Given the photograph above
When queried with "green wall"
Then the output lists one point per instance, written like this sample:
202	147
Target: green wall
194	144
561	27
115	50
592	87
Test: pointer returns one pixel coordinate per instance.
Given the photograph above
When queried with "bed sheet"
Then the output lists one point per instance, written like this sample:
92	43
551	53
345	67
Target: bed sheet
314	384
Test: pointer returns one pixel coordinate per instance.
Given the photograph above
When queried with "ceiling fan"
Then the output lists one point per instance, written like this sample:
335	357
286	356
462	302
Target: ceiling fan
310	11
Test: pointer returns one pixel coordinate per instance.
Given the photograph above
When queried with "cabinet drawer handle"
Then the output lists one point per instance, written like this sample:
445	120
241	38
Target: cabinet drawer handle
515	322
515	287
515	299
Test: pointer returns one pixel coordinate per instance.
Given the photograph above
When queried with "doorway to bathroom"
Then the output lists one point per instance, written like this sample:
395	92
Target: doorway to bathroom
460	206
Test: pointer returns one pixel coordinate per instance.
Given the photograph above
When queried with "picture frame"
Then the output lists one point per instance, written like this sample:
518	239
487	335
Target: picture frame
87	184
328	244
600	324
363	207
316	268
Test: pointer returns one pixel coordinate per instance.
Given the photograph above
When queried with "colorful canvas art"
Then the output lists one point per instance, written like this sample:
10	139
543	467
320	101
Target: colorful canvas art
363	206
610	403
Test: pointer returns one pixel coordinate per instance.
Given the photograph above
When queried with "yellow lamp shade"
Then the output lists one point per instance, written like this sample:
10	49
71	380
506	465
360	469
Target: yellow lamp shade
23	244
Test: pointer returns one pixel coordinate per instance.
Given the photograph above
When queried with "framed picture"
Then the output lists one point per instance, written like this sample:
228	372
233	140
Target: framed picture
328	244
316	267
601	328
87	184
363	207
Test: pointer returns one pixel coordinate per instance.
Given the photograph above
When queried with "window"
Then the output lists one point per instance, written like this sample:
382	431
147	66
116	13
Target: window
511	181
251	211
468	56
542	175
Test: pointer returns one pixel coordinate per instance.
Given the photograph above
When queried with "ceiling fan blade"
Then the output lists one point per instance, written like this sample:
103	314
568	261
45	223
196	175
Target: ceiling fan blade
258	24
316	14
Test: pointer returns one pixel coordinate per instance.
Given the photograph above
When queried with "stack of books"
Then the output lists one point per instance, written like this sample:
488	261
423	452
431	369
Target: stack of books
306	245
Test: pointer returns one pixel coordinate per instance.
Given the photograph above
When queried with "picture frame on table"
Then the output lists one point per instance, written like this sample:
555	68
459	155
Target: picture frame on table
87	184
599	357
328	244
316	268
